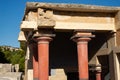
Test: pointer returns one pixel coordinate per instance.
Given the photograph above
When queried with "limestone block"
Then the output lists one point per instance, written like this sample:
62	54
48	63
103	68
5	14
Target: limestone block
58	77
28	25
71	7
46	23
5	67
30	74
45	18
84	26
10	76
32	16
48	14
58	74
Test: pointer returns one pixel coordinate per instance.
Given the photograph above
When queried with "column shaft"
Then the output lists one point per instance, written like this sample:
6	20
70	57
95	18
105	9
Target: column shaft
83	60
43	57
35	62
98	72
98	75
82	39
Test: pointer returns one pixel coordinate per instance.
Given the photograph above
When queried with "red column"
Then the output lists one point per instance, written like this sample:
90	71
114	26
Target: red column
35	62
43	57
82	48
98	73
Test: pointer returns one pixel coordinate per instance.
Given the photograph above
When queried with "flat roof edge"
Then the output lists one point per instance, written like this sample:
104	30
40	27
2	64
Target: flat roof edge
71	7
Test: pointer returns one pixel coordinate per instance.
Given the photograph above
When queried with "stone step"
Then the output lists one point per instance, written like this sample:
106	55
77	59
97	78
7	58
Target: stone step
58	77
58	74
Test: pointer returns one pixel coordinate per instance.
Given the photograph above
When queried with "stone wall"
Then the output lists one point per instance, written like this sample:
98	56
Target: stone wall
11	76
5	67
10	72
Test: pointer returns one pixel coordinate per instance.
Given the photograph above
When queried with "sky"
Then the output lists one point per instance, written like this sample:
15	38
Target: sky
12	12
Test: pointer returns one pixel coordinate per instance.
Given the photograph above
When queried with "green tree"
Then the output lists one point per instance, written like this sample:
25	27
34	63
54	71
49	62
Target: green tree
2	58
13	57
8	55
18	57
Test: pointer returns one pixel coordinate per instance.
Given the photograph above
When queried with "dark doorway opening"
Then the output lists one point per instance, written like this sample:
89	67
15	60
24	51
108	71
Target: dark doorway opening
63	54
73	76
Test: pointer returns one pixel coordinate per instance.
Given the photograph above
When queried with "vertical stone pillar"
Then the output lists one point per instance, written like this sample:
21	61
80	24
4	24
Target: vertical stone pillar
82	48
98	72
43	57
35	62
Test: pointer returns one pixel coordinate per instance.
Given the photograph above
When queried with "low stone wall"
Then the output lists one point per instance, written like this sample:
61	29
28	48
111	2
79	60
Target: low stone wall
11	76
10	72
5	67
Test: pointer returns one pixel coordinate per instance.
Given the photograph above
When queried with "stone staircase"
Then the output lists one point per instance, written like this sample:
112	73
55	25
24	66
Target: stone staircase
58	74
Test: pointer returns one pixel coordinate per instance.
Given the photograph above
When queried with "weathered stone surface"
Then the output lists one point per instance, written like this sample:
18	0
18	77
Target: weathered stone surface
58	74
58	77
96	21
5	78
28	25
45	19
84	26
46	23
71	7
11	76
71	17
32	16
5	67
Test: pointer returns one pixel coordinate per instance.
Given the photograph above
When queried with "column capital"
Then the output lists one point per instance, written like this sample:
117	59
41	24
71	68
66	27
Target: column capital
98	72
43	37
98	68
43	41
82	36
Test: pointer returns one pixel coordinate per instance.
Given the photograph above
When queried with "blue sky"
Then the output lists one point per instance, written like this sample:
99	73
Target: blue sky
12	11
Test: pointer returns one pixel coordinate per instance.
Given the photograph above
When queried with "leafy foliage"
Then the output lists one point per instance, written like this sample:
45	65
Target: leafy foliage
14	57
2	58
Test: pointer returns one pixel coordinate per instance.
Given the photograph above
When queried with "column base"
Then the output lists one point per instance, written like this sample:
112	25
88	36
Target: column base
35	78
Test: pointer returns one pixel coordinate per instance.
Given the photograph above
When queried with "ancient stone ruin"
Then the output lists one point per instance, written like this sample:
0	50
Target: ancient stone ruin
71	42
10	72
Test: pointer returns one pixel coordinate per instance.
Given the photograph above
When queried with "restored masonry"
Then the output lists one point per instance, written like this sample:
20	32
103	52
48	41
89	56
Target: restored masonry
71	42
